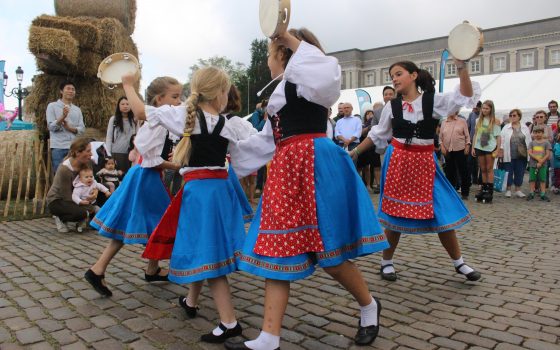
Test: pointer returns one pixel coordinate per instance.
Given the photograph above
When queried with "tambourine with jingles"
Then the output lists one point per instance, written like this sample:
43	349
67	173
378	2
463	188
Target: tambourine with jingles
112	68
465	41
274	17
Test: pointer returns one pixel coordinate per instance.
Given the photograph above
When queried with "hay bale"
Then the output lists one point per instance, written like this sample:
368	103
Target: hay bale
122	10
53	43
86	65
85	33
96	101
114	38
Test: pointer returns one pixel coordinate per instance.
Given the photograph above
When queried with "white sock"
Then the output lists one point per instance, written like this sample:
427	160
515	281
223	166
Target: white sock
265	341
218	331
389	269
368	314
189	302
465	269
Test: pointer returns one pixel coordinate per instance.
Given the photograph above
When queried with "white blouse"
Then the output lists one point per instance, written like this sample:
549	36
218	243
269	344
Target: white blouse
149	141
249	150
316	76
444	105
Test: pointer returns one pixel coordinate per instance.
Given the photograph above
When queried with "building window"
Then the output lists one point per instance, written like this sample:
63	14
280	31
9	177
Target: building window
349	80
527	60
429	68
555	56
451	69
475	66
386	77
369	79
499	64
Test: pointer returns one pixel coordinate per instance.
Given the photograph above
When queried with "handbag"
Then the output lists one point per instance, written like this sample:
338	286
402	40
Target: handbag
500	178
522	150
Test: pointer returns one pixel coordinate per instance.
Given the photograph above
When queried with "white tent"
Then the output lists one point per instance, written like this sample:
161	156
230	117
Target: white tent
528	91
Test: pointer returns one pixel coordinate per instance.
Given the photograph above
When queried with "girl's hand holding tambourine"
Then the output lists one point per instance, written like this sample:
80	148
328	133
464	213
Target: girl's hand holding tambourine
129	79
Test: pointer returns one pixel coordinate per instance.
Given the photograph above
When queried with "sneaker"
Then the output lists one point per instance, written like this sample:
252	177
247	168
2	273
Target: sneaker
530	196
544	198
60	226
520	194
508	194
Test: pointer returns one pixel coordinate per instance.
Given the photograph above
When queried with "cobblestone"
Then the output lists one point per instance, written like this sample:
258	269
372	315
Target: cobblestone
45	303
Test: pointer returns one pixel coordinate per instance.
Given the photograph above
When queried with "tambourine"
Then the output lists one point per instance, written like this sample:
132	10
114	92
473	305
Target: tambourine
274	16
465	41
112	68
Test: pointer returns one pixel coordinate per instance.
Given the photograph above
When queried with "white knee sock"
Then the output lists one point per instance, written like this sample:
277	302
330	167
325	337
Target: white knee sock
218	331
465	269
265	341
368	314
389	269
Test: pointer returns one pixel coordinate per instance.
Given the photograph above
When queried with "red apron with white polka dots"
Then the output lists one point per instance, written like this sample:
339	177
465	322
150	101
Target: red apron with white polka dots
288	224
409	182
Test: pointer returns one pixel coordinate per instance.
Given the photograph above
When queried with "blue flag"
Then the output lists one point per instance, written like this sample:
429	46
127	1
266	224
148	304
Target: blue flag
363	98
2	63
444	57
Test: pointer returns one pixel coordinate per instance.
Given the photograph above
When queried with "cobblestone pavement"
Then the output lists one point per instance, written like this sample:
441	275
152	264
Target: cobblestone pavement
46	304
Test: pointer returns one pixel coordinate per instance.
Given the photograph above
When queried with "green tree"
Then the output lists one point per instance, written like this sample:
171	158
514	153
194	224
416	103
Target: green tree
258	73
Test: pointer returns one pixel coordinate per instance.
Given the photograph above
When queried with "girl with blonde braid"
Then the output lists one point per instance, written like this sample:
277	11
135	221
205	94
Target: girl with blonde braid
134	210
203	230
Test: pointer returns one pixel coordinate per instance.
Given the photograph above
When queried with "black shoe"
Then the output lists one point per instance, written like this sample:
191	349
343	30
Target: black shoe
155	277
96	283
227	333
471	276
189	310
366	335
391	276
238	345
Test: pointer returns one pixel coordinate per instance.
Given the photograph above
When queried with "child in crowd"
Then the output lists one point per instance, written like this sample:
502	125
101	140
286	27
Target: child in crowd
556	164
539	153
109	175
85	193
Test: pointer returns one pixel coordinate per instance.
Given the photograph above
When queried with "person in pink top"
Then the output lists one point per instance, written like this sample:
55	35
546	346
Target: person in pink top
455	146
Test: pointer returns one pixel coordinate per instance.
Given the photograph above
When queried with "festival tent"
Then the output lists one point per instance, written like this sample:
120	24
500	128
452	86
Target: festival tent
527	90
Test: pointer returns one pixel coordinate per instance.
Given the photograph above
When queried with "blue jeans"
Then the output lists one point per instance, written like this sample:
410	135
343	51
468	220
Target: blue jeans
516	169
57	156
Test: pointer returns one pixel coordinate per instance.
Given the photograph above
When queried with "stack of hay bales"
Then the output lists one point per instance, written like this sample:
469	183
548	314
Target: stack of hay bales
70	46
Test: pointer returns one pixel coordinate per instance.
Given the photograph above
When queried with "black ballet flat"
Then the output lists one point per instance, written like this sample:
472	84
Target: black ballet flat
96	283
189	310
471	276
391	276
366	335
156	277
227	333
238	345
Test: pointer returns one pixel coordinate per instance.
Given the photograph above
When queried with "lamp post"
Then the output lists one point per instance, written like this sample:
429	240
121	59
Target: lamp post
19	92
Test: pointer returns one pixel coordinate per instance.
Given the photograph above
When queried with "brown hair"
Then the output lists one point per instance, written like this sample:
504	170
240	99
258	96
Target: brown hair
158	87
206	86
234	100
302	34
518	111
78	145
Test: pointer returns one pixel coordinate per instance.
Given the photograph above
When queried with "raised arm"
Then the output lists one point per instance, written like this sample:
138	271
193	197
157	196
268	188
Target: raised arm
136	104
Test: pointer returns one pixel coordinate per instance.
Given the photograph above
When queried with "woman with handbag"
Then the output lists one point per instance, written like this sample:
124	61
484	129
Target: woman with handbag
513	151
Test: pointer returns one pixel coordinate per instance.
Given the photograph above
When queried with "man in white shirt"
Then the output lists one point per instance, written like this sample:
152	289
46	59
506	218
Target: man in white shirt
348	129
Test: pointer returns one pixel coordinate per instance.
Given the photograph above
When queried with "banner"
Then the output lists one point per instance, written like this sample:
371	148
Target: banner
444	57
2	63
364	99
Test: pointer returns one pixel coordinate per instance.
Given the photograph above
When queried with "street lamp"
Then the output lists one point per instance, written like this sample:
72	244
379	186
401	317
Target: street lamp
19	92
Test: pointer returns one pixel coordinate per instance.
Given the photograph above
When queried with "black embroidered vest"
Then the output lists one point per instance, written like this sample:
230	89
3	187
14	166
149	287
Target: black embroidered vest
208	149
424	129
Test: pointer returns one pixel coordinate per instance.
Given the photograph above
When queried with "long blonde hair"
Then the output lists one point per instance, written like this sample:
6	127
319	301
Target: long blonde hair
158	87
206	86
493	119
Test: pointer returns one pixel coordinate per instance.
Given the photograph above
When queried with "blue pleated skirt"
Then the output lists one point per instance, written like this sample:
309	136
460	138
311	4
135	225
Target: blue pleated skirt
450	212
246	208
135	208
346	220
210	231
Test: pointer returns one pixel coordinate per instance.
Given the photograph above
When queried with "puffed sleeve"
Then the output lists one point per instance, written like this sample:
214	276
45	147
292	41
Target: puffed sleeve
249	151
316	75
241	128
381	133
171	118
449	102
149	141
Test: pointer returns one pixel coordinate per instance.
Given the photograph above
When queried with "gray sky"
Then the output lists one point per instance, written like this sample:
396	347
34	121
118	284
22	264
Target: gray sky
172	34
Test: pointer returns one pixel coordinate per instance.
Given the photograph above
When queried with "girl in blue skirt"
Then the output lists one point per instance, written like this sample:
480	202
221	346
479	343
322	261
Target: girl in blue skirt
134	210
416	197
315	209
